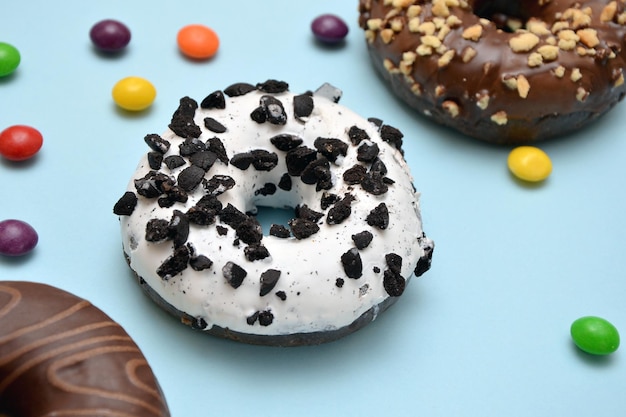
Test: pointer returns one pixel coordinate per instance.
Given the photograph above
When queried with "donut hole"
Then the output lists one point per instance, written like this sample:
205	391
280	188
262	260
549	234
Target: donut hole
507	15
268	216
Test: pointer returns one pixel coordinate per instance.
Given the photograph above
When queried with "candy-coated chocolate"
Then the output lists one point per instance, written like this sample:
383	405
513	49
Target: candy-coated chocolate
529	163
134	93
17	238
329	28
20	142
595	335
110	35
9	58
198	41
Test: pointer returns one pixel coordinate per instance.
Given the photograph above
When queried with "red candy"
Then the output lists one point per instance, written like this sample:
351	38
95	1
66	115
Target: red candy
20	142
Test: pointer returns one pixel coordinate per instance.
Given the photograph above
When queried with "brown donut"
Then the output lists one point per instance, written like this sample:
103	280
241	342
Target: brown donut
503	71
61	356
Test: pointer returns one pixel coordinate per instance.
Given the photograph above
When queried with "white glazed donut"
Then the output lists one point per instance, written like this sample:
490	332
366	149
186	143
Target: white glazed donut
190	235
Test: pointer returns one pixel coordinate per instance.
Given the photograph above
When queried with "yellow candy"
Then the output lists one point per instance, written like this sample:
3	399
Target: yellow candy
529	163
134	93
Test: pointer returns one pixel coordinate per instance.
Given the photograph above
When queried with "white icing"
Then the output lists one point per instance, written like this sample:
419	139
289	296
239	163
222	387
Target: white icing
309	267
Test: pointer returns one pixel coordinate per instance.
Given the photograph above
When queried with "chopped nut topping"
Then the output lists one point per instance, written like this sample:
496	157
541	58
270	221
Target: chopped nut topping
427	28
417	89
473	33
374	24
581	94
446	58
430	40
451	107
443	32
500	118
453	21
424	50
576	75
413	11
588	36
620	80
559	26
523	86
538	27
510	82
548	52
414	24
401	3
559	71
524	42
468	54
482	100
608	13
440	8
370	36
440	90
397	25
386	35
535	59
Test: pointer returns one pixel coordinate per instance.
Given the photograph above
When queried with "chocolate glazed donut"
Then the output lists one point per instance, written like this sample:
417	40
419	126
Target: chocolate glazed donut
61	356
503	71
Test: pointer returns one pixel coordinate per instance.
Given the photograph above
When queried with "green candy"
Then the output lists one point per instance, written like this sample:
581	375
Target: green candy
595	335
9	59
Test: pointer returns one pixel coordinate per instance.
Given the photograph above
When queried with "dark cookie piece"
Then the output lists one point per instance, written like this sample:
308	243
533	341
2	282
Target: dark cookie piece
216	146
239	89
219	184
318	173
126	204
153	184
256	252
394	262
157	230
265	318
302	106
174	161
190	177
352	264
203	159
200	263
234	274
191	146
273	86
331	148
355	175
213	125
357	135
305	212
285	182
157	143
269	279
182	120
298	159
339	282
175	264
215	100
393	283
249	231
340	211
155	159
328	199
367	153
362	239
392	135
302	228
379	217
178	228
267	189
231	216
279	231
286	142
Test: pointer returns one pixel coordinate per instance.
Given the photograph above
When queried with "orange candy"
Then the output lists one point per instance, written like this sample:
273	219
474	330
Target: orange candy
198	41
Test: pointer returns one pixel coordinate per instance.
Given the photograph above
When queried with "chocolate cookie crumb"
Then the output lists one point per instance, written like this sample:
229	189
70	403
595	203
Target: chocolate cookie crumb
157	230
182	120
379	217
367	153
231	216
215	100
305	212
249	231
298	159
355	175
357	135
216	146
352	264
221	230
340	211
234	274
269	279
280	231
328	199
239	89
126	204
282	295
213	125
285	182
267	189
339	282
203	159
392	135
318	172
302	106
178	228
274	110
219	184
266	318
273	86
362	239
302	228
394	262
256	252
190	177
263	160
200	263
393	283
174	161
157	143
191	146
286	142
331	148
175	264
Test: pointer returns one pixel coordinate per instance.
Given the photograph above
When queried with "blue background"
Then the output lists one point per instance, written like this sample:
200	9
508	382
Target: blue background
484	333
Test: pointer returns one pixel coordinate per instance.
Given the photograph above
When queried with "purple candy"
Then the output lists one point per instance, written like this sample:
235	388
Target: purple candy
329	28
110	35
17	238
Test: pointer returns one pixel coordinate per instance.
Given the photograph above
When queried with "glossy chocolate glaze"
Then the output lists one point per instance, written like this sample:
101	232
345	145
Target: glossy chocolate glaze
469	92
61	356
